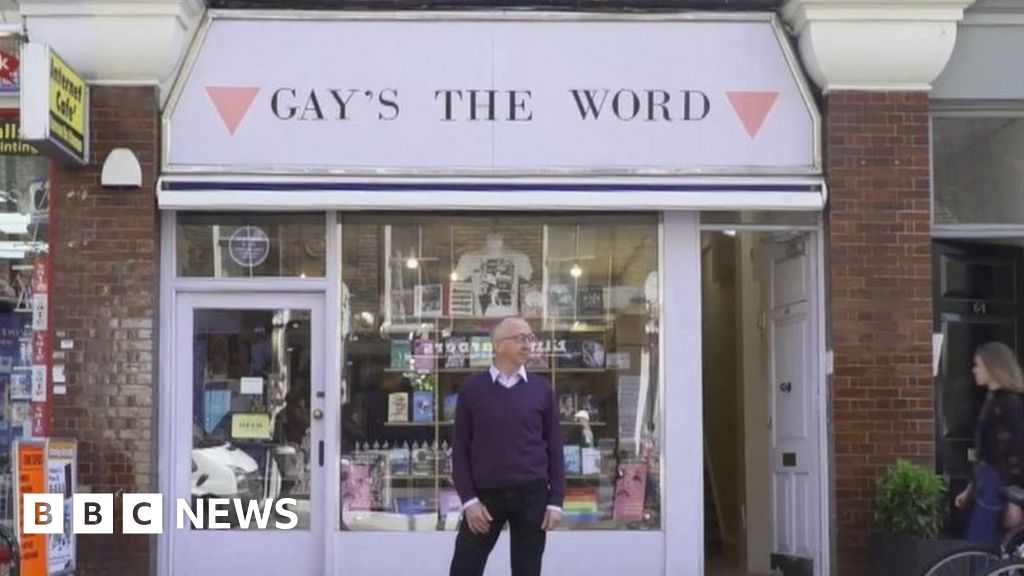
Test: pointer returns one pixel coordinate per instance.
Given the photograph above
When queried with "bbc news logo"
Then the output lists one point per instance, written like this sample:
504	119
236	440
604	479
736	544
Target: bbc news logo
144	513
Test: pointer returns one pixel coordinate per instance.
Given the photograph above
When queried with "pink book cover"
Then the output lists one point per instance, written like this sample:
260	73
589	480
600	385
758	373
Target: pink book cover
629	492
356	488
423	355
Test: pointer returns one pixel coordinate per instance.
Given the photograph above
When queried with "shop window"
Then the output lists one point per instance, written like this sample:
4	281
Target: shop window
251	245
422	293
978	170
24	218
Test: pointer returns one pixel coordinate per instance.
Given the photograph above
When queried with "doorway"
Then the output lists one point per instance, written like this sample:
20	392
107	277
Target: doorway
764	435
248	432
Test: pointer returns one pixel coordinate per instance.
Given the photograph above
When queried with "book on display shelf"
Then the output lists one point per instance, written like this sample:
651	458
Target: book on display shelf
461	297
423	355
398	461
561	301
423	406
480	351
630	490
413	505
456	352
422	460
429	300
531	296
398	407
572	357
567	407
591	301
589	404
356	487
592	353
571	453
539	353
580	505
451	402
401	354
590	461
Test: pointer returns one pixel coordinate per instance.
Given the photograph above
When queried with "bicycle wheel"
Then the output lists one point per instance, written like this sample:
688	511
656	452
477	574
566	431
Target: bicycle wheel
1013	543
968	560
1007	567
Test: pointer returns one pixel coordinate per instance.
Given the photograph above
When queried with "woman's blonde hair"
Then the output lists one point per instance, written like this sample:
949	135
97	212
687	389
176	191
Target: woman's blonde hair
1002	366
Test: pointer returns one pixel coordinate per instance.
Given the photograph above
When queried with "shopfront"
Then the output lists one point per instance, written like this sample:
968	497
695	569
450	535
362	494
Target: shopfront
350	202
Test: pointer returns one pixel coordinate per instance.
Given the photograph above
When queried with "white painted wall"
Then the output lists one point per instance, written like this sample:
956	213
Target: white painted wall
757	497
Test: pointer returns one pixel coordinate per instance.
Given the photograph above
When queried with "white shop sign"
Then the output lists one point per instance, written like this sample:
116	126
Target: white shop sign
491	94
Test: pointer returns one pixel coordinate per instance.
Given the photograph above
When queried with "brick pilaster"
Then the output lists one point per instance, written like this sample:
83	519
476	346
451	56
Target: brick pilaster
879	256
104	299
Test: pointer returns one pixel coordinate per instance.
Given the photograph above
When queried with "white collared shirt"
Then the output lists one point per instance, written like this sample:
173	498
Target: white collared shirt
508	380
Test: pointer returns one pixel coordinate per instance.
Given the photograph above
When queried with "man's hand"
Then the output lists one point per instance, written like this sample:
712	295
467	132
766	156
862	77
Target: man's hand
478	518
551	519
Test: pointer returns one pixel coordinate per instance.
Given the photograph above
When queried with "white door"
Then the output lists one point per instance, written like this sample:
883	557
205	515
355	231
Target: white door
794	410
247	428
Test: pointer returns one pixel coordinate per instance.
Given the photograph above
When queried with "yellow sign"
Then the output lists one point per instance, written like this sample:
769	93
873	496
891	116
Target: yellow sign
250	426
11	143
67	105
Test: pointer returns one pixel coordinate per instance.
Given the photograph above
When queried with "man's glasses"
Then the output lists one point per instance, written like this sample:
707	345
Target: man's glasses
522	338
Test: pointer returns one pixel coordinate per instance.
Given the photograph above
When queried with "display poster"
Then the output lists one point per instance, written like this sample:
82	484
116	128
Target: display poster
30	478
61	465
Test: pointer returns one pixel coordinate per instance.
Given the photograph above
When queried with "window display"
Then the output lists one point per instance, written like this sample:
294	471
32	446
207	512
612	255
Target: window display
422	293
24	223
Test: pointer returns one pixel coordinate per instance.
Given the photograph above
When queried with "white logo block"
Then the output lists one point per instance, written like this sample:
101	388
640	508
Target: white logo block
43	513
142	513
93	513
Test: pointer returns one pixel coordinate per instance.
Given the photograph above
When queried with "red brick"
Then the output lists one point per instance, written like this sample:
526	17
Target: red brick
879	241
105	278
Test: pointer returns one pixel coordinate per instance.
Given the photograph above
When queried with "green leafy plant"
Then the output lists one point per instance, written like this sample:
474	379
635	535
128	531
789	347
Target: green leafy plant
910	500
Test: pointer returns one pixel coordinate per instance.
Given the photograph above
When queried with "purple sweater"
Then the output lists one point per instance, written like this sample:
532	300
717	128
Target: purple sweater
505	437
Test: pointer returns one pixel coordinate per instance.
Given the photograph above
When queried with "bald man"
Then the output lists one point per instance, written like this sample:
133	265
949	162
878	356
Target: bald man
507	459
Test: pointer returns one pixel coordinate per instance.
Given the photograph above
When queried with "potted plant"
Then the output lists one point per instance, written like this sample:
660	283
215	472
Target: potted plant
910	514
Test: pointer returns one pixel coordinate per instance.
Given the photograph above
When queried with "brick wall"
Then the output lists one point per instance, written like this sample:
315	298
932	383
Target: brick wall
879	255
104	299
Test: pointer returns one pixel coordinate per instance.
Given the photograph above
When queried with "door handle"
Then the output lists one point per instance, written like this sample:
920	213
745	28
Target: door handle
786	387
318	414
320	451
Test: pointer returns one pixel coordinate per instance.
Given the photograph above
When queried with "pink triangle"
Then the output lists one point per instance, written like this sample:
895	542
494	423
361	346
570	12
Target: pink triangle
752	108
232	103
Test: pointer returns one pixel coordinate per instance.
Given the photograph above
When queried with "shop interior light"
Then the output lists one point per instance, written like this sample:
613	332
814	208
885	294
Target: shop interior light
731	233
11	29
14	222
367	317
576	271
454	276
412	263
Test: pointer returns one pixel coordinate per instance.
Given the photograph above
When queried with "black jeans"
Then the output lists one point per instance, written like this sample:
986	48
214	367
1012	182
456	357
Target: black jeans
523	507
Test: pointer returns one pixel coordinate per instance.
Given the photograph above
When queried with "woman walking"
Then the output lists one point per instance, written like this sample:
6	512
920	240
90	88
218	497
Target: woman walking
998	445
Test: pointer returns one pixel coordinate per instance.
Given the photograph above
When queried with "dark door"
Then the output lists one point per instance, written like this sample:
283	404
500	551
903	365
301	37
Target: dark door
977	291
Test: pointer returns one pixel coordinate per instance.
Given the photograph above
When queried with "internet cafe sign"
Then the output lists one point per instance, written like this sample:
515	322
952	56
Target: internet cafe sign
54	105
489	94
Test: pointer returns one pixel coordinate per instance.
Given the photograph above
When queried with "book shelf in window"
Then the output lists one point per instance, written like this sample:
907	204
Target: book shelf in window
601	381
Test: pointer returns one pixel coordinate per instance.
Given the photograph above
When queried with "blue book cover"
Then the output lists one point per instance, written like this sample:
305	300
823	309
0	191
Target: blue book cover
423	406
573	459
398	461
451	401
413	505
401	354
216	403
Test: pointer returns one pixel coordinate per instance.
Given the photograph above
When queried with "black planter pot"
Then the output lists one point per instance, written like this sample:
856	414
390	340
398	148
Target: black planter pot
900	555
